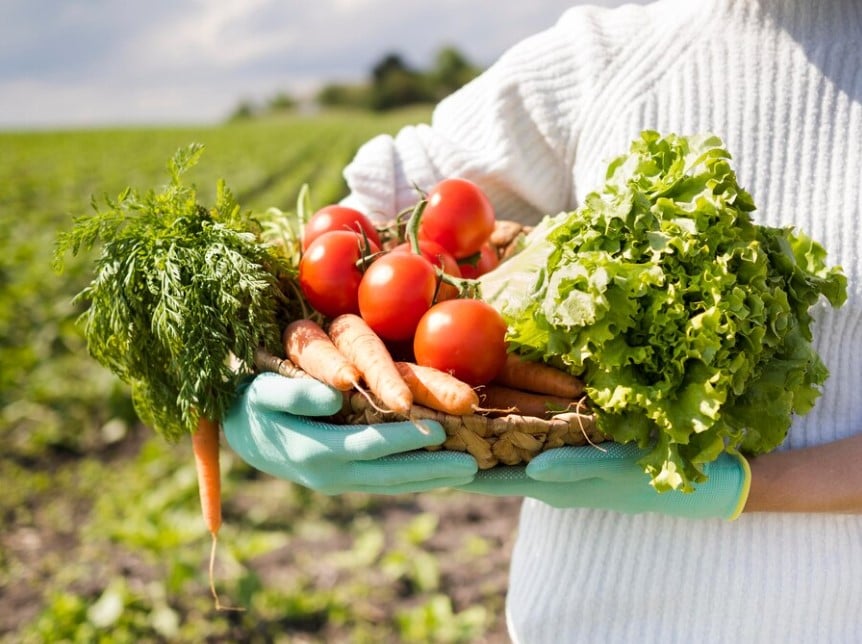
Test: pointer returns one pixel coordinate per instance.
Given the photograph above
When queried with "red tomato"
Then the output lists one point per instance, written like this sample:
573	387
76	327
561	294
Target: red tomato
439	257
395	292
464	337
328	272
487	261
337	217
458	216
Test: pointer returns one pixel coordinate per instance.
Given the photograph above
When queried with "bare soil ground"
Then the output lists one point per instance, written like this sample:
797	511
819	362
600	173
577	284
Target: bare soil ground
34	549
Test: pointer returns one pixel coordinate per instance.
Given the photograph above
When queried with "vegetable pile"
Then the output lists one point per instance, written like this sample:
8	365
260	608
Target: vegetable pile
688	322
187	299
406	281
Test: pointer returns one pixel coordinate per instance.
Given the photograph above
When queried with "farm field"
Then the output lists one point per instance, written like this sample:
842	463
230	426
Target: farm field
102	537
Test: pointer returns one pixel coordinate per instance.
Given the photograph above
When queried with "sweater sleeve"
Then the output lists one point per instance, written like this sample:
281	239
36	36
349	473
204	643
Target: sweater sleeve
513	130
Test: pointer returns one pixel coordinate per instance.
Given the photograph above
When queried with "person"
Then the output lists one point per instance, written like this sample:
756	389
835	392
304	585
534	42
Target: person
598	561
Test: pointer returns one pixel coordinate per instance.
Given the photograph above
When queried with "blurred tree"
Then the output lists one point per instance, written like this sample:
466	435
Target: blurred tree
394	84
451	70
339	95
244	111
281	102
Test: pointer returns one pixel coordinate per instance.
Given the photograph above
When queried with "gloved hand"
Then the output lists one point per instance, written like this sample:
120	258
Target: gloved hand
269	426
610	478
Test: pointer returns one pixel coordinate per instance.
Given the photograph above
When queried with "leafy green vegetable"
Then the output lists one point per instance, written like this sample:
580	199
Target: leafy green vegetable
182	296
689	323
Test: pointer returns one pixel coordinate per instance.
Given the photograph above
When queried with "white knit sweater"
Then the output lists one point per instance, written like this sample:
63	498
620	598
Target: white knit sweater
780	81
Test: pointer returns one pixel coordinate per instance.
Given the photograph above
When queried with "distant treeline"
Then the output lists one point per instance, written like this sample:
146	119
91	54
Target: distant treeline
392	83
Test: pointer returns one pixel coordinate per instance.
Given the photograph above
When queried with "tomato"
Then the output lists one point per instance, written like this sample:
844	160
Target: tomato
337	217
439	257
485	262
395	292
329	274
464	337
458	216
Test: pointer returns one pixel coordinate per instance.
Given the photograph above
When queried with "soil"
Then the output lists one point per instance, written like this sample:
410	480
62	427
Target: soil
33	551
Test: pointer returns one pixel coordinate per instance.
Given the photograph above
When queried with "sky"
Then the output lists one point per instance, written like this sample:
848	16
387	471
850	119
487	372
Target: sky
82	63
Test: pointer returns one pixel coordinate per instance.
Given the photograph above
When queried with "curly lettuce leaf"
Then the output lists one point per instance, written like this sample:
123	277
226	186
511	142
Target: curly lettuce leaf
689	323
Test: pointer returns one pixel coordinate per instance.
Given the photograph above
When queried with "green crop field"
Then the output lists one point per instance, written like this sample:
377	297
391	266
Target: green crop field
102	538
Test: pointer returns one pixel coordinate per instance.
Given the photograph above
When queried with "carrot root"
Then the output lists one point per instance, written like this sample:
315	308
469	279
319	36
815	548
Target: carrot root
265	361
205	447
364	348
538	377
310	348
438	390
498	399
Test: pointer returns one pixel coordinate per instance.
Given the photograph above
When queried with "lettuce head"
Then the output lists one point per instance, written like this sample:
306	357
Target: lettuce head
689	322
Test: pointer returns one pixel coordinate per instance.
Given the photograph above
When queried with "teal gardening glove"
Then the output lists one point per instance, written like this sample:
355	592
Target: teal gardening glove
608	477
270	427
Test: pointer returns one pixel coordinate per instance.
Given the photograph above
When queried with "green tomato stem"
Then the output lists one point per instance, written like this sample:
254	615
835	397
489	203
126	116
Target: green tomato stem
412	232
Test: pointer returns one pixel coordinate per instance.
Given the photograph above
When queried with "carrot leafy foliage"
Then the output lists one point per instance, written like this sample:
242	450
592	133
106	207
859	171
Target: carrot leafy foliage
181	298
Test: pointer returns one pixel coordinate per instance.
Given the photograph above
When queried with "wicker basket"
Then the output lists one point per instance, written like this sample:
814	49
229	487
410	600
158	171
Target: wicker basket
507	439
499	438
510	439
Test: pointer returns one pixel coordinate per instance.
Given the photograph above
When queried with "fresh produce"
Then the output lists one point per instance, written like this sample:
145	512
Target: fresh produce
464	337
688	322
499	399
331	269
335	217
395	292
205	447
364	349
188	299
438	390
458	216
479	263
440	258
310	348
538	377
183	298
180	290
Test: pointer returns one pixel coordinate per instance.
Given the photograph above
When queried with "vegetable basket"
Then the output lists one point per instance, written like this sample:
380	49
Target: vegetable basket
493	437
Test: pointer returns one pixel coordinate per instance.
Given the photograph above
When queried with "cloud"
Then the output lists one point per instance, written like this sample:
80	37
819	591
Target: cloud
80	62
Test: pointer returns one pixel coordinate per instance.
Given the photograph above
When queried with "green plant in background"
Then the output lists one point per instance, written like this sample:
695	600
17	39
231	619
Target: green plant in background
436	621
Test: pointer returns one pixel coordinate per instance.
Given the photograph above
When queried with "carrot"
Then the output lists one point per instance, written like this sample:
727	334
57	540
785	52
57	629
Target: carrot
308	346
538	377
205	446
265	361
438	390
364	348
499	399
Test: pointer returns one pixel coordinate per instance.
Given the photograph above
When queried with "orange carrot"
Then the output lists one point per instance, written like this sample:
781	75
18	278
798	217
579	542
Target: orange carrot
438	390
539	377
308	346
499	399
364	348
205	446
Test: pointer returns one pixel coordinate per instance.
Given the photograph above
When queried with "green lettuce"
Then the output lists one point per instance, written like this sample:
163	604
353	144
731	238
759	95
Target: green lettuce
689	323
